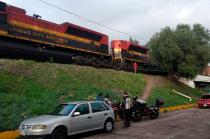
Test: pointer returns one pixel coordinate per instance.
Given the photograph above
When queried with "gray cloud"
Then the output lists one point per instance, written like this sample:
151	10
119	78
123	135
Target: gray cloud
141	18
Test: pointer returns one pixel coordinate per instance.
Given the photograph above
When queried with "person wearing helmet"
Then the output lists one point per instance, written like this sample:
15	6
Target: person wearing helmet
138	104
135	98
135	103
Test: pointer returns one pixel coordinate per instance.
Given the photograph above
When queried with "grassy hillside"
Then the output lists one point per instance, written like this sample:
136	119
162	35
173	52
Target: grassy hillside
164	89
30	88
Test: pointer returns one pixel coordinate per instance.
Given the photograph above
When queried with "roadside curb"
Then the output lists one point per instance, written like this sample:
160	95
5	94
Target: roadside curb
180	107
9	134
15	134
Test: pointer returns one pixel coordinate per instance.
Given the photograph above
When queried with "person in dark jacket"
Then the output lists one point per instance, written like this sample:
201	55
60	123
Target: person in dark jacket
99	97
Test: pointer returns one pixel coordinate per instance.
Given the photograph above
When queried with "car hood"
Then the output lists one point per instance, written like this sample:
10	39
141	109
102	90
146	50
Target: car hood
204	100
43	119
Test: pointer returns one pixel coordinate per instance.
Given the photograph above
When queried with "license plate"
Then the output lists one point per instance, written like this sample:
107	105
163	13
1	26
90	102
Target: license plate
205	105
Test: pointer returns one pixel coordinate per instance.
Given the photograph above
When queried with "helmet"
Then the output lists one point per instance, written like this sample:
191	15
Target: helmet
135	98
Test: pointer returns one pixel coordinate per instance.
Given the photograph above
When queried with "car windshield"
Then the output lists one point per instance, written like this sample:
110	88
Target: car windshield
63	109
205	97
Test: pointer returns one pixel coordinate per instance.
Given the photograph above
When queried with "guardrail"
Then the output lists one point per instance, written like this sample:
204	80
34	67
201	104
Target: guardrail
182	94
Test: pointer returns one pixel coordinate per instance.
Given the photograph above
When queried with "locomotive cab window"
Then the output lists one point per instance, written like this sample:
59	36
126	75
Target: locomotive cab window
3	18
137	49
2	6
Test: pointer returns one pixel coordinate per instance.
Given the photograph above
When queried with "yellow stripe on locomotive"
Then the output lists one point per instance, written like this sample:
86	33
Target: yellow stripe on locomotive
58	34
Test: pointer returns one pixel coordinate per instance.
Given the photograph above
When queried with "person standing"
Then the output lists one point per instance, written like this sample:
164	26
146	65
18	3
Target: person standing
107	100
126	107
135	67
99	97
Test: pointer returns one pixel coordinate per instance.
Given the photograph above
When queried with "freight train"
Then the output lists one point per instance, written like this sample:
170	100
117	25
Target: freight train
24	36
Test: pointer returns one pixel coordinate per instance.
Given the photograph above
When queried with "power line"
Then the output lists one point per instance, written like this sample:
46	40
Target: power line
91	21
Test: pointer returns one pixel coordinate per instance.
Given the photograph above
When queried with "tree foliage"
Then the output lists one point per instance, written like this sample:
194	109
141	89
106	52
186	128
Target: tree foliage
183	51
133	41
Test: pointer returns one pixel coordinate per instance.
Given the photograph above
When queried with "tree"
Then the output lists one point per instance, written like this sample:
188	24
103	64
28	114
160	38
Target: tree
133	41
182	52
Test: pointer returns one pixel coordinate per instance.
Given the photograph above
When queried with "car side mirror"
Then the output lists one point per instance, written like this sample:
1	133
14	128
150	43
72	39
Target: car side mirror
76	114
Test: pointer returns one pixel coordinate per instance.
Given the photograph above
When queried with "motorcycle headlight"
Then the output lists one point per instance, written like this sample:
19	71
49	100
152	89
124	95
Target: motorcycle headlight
38	127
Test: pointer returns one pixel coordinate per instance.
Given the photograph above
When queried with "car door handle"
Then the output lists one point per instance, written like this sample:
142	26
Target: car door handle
89	117
105	114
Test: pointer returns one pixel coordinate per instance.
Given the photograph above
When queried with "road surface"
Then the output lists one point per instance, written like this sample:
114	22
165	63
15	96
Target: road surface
184	124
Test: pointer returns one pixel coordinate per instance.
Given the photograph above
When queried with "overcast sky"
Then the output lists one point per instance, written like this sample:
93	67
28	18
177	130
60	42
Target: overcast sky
141	18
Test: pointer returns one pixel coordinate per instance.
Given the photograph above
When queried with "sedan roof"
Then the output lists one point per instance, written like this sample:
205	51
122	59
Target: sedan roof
79	102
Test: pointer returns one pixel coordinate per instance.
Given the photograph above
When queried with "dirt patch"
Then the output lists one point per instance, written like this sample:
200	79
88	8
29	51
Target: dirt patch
151	82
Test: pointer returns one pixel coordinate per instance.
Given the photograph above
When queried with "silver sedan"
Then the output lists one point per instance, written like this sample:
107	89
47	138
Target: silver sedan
70	118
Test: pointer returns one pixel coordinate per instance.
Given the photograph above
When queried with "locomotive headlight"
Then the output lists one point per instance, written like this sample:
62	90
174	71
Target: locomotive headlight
38	127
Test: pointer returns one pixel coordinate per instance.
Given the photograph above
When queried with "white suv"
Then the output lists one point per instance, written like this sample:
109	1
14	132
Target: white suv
70	118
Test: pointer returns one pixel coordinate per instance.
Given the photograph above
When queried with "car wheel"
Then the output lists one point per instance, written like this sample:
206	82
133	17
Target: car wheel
59	133
108	125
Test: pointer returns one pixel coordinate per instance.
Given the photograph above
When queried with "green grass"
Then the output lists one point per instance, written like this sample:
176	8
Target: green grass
30	88
172	99
21	97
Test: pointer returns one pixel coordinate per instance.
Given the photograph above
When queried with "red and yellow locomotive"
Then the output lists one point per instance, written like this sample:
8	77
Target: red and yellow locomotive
31	37
16	24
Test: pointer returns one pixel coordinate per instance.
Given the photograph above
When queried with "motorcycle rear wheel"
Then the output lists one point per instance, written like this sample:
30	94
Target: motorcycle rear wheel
154	114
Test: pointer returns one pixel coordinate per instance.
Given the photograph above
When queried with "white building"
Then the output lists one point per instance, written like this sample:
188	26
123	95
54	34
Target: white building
200	81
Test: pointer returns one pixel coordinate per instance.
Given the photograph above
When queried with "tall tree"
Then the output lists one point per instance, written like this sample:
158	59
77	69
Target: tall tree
133	41
183	52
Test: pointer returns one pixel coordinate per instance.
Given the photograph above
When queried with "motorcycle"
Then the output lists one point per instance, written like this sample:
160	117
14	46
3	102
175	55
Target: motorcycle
141	109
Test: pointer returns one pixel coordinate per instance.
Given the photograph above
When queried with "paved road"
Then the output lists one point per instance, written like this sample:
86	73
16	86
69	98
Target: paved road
184	124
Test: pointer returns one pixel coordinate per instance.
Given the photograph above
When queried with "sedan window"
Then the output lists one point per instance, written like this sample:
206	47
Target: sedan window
63	109
205	97
97	107
105	106
83	109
